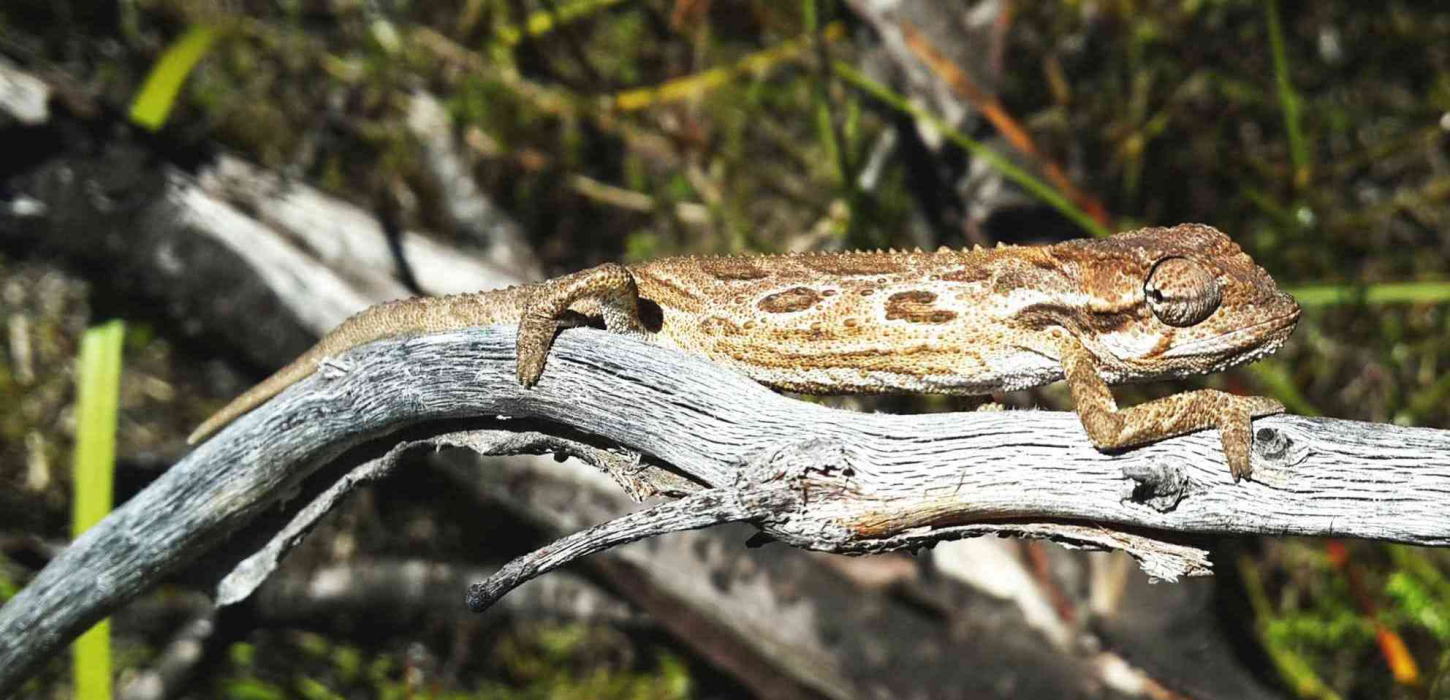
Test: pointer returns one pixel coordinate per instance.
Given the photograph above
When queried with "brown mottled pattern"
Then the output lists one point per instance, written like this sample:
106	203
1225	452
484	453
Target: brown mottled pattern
915	306
1097	321
717	325
1012	278
853	263
668	291
966	273
733	268
790	300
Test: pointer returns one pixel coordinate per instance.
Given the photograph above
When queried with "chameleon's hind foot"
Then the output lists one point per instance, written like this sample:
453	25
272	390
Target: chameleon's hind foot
536	335
607	291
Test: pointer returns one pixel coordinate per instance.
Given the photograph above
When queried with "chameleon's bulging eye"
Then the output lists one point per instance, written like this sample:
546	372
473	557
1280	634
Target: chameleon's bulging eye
1182	292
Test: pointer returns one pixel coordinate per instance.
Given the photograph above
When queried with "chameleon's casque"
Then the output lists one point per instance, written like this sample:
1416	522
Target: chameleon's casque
1149	304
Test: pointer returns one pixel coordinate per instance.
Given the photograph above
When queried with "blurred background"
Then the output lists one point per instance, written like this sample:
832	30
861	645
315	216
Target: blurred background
231	179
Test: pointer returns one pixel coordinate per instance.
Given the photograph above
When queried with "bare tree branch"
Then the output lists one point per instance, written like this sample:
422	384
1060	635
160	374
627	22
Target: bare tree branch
862	483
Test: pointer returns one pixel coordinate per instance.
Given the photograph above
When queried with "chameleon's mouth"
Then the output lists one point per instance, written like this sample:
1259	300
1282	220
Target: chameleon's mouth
1263	337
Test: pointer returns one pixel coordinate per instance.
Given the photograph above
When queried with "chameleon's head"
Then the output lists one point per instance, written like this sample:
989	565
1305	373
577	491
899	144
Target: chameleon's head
1176	301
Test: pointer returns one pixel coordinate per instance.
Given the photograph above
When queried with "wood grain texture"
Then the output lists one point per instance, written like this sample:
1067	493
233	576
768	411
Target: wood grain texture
894	481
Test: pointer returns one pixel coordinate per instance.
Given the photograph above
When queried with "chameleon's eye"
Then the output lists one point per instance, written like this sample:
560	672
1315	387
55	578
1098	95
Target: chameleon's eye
1182	292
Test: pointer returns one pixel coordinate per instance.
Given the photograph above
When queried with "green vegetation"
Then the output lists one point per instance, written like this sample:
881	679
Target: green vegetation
153	103
98	379
538	661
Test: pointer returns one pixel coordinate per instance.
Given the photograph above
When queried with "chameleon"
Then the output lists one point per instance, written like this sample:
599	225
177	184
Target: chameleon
1150	304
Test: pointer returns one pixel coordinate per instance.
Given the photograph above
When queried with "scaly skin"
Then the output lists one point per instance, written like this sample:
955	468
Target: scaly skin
1149	304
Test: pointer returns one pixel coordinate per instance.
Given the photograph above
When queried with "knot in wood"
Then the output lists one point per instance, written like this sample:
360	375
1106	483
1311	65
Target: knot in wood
796	462
1272	444
1157	485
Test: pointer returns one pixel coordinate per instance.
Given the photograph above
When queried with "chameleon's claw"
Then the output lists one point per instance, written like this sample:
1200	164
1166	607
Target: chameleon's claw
1238	435
536	334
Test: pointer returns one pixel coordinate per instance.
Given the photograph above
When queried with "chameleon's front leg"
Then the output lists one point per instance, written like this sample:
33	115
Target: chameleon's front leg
1111	427
607	290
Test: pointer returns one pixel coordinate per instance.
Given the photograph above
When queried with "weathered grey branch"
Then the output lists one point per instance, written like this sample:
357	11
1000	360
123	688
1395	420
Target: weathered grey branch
703	509
886	481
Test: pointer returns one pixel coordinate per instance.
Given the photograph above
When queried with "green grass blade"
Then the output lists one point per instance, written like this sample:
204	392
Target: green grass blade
153	103
1288	99
1274	376
1431	292
1001	163
98	380
542	22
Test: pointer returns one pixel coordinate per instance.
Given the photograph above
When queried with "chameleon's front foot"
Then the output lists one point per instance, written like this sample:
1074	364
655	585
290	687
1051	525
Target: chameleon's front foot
1111	428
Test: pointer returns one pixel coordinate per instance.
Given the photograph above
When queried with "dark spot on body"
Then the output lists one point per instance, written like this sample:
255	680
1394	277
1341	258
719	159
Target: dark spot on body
791	300
1102	322
915	307
967	273
728	268
1010	279
1045	261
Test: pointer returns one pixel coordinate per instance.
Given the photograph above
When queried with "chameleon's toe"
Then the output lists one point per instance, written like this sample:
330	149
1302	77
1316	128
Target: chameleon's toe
1237	431
1237	437
535	337
529	369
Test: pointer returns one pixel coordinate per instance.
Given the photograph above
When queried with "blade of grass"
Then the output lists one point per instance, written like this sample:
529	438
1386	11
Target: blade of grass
995	112
824	124
1288	99
704	81
1276	380
157	95
1415	561
833	136
1041	190
98	380
1429	292
547	20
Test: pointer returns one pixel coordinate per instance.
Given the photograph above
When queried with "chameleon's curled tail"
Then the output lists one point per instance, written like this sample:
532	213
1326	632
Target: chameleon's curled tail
396	318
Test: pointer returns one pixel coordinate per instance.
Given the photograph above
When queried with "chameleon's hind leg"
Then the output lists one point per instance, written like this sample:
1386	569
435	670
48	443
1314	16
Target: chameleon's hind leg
607	290
1110	427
